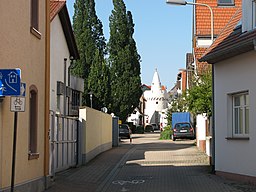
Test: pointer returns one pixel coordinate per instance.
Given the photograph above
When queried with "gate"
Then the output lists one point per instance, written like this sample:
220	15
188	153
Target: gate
63	142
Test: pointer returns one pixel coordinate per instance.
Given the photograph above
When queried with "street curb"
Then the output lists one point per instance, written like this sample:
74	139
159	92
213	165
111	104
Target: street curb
104	185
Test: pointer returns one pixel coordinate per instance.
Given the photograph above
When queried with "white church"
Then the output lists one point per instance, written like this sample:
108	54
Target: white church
154	105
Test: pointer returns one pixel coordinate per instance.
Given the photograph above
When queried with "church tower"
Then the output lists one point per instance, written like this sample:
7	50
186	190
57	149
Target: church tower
156	100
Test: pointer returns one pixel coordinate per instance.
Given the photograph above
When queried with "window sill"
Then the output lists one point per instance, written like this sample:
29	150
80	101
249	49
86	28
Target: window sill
238	138
32	156
35	32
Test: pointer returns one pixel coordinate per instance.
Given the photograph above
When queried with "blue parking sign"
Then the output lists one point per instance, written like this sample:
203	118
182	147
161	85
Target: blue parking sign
10	82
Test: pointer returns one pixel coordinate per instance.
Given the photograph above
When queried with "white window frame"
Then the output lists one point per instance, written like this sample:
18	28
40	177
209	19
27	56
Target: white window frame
242	107
231	3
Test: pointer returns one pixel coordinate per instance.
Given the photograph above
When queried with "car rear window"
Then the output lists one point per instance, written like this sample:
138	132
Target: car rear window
123	127
182	125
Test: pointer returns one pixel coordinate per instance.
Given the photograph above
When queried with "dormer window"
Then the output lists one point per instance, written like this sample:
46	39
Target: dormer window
226	2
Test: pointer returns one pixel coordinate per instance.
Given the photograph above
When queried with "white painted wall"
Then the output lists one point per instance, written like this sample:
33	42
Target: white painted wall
234	75
204	42
134	118
59	51
201	128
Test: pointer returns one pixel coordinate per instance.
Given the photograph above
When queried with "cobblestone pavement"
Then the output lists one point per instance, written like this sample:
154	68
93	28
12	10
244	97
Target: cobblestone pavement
149	165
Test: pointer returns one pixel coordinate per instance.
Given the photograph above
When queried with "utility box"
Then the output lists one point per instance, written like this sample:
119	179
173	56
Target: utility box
115	132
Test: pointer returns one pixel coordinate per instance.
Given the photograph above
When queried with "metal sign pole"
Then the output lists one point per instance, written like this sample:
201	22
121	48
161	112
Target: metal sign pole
14	150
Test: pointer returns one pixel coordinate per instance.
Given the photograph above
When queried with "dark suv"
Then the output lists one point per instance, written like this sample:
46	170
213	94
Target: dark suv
124	131
183	131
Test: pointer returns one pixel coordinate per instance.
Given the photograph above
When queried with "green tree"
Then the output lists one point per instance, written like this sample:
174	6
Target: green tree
98	82
179	104
90	39
199	97
124	61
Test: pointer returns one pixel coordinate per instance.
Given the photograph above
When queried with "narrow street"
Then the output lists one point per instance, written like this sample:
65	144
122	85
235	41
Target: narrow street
148	164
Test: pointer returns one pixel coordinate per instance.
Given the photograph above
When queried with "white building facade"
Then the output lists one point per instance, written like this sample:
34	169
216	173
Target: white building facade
156	101
234	96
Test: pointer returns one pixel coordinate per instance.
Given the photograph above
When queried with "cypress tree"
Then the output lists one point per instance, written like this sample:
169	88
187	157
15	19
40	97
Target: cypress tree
90	40
124	61
98	82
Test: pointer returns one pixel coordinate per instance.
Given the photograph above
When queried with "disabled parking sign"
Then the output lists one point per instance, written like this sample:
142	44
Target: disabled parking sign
10	82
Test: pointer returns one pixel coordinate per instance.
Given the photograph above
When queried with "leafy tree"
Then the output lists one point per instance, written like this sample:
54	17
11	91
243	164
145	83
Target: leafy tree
124	61
90	40
199	97
178	104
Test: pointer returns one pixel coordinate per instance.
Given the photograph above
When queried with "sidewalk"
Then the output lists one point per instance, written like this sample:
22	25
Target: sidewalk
89	177
148	165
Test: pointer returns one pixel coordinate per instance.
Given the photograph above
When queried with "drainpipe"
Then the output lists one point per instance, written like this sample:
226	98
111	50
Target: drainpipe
213	124
65	87
69	81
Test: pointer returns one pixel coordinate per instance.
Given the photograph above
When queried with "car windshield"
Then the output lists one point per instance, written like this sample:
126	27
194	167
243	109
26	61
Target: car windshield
182	126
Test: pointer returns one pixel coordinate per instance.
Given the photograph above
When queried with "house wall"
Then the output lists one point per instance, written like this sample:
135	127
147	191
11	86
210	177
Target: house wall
231	76
96	132
59	51
19	48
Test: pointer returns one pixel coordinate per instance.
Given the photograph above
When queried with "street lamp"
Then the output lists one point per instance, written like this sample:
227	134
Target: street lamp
182	2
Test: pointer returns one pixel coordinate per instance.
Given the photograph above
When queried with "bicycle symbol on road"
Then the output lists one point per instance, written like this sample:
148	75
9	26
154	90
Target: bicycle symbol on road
133	182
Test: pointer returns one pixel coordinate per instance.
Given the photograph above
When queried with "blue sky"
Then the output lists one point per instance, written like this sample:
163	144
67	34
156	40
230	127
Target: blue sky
163	34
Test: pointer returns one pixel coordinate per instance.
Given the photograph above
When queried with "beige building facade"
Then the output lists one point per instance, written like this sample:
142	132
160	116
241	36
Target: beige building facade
25	45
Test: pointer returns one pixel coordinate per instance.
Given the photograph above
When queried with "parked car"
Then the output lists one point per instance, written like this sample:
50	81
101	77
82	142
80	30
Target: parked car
183	131
124	131
149	128
155	126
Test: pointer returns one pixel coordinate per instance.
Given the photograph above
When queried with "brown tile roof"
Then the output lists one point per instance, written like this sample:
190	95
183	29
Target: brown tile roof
231	42
55	7
221	14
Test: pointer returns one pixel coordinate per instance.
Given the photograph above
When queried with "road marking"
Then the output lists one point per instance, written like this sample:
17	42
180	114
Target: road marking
132	182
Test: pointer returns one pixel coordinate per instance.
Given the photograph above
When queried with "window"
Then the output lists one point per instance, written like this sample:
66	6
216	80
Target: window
240	114
75	99
33	118
254	13
34	29
226	2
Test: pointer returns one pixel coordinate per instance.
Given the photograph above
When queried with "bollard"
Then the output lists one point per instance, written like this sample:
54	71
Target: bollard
130	138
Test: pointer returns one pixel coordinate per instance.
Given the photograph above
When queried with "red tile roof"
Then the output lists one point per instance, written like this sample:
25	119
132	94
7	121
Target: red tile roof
227	36
221	15
55	7
148	86
231	41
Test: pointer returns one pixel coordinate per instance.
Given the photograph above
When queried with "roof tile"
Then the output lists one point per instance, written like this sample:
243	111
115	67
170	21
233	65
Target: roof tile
55	7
